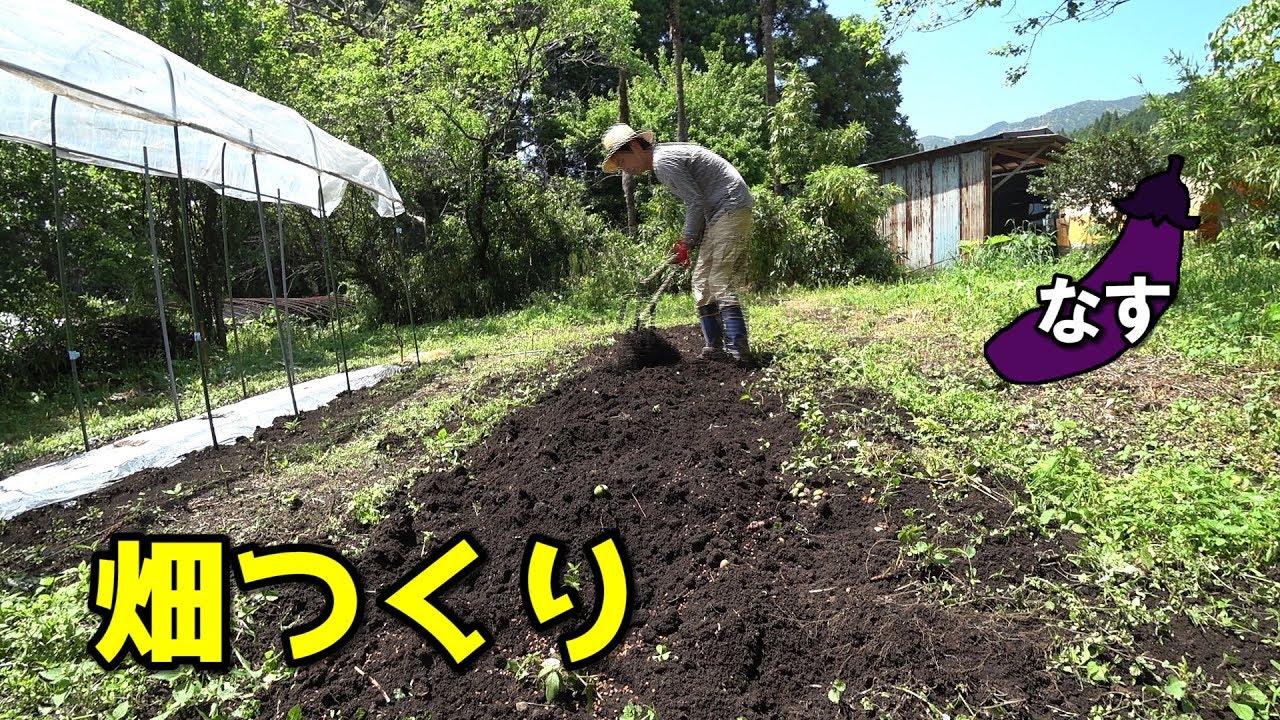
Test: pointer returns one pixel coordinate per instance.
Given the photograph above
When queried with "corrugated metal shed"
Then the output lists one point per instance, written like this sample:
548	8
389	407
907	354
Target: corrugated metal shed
952	192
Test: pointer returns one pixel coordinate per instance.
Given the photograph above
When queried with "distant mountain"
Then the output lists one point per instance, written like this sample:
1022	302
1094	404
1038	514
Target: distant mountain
1063	120
929	142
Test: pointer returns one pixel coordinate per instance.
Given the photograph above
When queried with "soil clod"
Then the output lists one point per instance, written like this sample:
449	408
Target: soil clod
643	348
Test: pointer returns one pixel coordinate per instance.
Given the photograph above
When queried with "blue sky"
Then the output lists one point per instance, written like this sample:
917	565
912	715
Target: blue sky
952	85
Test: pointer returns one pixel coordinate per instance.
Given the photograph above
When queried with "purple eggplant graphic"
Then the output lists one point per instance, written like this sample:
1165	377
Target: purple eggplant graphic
1118	301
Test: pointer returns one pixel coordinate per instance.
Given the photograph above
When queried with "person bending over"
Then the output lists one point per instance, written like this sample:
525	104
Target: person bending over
717	221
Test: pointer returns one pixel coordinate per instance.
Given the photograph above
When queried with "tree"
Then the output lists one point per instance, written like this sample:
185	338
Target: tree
798	145
1226	120
855	79
1139	121
677	44
725	109
767	10
453	98
628	180
1092	172
900	14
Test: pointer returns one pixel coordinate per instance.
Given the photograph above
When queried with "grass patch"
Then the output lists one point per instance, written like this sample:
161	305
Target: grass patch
1165	467
46	669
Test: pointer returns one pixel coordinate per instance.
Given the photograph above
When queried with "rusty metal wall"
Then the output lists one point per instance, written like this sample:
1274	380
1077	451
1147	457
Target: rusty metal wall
899	217
893	223
944	245
974	179
920	237
945	204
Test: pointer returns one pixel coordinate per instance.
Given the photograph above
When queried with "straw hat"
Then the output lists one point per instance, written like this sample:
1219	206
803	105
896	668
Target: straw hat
617	138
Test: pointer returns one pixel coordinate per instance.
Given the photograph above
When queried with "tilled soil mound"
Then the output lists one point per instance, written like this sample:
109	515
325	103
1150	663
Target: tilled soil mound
642	348
762	604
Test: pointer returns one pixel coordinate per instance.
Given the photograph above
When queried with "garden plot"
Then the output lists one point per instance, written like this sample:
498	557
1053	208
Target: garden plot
748	603
764	588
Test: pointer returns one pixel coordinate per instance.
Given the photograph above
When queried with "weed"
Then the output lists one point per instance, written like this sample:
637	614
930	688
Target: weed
368	502
835	693
573	576
1248	701
638	712
523	667
550	676
47	672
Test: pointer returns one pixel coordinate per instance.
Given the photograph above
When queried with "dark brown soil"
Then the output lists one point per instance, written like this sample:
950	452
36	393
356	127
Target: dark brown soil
762	603
642	348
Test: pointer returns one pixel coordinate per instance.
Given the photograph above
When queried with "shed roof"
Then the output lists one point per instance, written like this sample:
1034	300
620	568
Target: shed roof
1037	142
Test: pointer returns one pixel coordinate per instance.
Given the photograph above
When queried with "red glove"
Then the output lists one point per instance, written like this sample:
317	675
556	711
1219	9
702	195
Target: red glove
680	251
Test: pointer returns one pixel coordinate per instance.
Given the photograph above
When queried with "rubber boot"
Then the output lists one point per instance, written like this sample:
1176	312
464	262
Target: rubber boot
712	332
735	332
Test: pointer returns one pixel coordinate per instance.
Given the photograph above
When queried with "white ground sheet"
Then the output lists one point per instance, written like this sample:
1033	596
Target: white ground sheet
164	446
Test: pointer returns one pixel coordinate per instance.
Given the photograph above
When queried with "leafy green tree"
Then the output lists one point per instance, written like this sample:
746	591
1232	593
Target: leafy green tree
856	80
453	99
1089	173
1139	121
797	145
1226	121
726	112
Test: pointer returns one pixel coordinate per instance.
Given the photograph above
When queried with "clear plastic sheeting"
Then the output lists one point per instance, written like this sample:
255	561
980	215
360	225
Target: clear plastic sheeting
75	476
118	92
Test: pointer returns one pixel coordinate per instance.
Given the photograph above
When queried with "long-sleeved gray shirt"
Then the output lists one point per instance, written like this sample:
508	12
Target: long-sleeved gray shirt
707	183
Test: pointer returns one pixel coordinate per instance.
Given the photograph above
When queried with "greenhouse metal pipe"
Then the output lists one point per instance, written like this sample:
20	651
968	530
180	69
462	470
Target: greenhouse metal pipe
395	326
72	354
226	262
155	273
330	280
271	280
197	320
329	275
404	279
284	292
114	163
